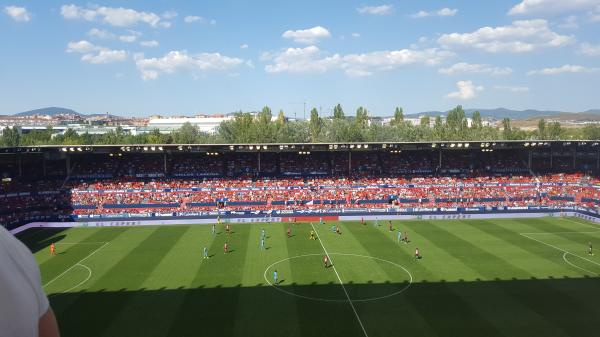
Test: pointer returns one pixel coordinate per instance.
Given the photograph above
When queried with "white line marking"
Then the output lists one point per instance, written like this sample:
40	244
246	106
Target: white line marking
80	243
562	250
73	266
82	282
546	233
340	279
334	300
586	223
578	267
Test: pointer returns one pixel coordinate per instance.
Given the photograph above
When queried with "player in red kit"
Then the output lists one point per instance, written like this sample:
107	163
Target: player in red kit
289	232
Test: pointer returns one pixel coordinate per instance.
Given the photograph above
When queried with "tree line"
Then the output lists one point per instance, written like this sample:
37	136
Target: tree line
263	128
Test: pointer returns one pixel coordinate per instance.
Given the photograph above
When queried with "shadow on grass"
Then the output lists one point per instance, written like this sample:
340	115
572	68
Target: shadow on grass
534	307
40	238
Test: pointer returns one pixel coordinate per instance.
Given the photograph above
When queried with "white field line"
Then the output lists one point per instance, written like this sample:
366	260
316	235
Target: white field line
80	243
82	282
591	224
560	249
340	279
573	232
75	265
576	266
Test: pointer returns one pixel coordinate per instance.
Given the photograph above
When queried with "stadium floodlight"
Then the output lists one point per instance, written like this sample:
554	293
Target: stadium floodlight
64	149
358	146
145	148
79	149
160	148
366	146
251	147
72	149
452	145
351	146
526	144
335	146
459	145
434	145
467	144
264	147
231	147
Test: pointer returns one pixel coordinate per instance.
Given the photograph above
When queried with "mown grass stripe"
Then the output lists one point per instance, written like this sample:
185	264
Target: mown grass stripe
217	281
436	302
123	279
535	294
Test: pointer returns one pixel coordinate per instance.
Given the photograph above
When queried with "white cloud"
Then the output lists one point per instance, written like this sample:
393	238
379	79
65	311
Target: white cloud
100	34
355	35
128	38
441	13
244	46
150	44
466	90
376	10
513	89
570	22
311	60
566	69
82	46
119	17
519	37
105	56
462	67
537	7
169	15
589	49
192	18
307	36
174	61
19	14
96	54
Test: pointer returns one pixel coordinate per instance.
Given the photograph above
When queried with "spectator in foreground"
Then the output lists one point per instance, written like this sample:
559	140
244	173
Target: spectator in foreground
24	307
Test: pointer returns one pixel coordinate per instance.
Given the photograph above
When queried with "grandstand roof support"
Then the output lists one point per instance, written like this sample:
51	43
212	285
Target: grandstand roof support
165	164
349	162
529	161
259	163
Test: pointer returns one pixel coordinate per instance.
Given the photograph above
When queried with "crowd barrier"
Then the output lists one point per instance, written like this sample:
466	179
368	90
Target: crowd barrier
259	217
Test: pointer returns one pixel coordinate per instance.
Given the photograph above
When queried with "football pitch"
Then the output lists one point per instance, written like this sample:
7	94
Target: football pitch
495	277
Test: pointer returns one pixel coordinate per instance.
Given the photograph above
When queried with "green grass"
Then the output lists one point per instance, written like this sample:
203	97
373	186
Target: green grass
476	278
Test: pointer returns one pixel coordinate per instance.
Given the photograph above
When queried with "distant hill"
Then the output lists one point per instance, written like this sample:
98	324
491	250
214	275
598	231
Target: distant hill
501	113
51	111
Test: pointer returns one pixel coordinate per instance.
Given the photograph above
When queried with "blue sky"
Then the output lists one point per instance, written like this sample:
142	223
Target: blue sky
186	57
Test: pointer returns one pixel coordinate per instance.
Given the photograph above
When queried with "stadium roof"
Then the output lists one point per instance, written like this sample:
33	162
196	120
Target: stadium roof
304	147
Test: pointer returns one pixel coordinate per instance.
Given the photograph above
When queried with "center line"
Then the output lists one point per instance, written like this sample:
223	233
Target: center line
340	279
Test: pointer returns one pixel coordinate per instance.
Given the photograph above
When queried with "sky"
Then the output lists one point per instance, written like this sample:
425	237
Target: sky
140	58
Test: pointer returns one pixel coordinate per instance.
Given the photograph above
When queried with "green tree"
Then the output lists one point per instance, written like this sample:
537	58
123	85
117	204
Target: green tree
10	137
591	132
281	118
338	112
425	121
506	129
187	134
554	130
316	124
476	122
240	129
541	129
362	117
398	116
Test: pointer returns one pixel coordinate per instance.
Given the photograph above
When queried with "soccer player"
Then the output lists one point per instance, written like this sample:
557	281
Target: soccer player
406	237
376	223
289	232
326	261
225	248
417	254
205	253
391	227
312	235
362	221
275	278
227	228
214	229
399	236
262	233
262	243
321	220
590	251
333	228
219	219
52	249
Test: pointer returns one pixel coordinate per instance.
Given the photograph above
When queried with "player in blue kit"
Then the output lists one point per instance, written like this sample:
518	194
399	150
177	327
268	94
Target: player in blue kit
205	253
275	278
399	236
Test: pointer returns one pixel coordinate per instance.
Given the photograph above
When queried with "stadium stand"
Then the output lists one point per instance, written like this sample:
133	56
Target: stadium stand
115	182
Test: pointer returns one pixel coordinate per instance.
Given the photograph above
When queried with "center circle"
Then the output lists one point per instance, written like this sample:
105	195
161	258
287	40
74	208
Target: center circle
376	290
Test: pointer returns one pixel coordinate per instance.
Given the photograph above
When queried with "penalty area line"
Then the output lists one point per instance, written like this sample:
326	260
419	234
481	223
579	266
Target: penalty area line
341	283
75	265
560	249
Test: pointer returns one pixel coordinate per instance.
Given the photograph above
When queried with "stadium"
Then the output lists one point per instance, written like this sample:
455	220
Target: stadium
469	238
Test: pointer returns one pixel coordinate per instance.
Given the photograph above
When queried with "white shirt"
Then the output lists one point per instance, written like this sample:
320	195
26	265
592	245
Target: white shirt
22	299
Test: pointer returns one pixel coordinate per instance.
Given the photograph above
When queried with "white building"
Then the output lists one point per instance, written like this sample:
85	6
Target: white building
207	124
